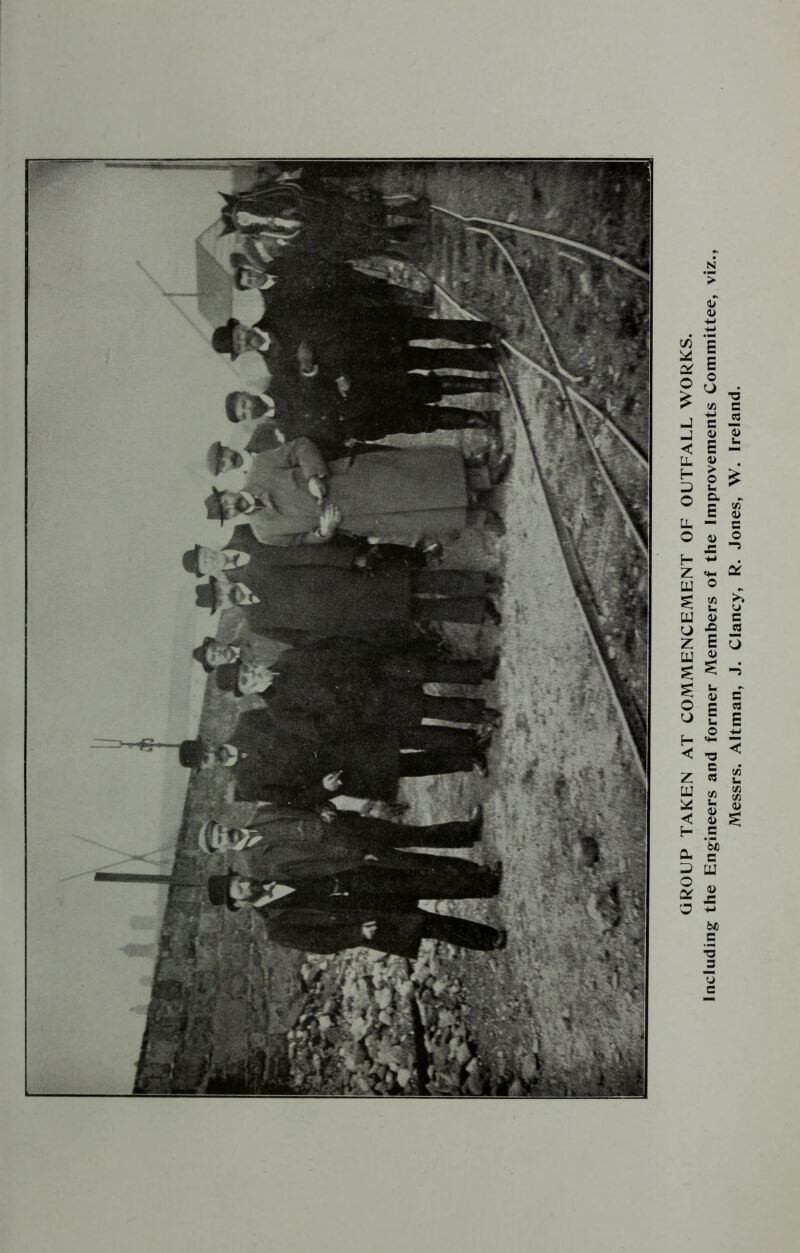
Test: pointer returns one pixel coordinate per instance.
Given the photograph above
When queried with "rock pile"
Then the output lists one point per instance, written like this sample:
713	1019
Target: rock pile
356	1031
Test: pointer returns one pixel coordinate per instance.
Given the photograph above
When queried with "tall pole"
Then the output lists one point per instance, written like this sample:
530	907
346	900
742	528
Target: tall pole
145	745
185	315
105	876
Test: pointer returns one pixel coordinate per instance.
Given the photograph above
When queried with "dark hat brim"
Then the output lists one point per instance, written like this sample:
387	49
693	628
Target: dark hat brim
190	753
218	890
213	456
230	407
222	339
199	654
205	597
216	510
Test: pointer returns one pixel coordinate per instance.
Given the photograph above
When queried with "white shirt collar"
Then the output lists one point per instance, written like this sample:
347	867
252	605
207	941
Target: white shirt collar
249	839
273	892
249	598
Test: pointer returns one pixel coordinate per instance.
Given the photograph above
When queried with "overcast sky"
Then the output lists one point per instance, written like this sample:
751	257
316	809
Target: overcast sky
124	397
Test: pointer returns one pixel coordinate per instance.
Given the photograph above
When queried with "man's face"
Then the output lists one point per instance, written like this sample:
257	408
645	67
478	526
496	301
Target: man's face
209	758
254	676
223	594
228	459
219	755
240	889
220	654
244	407
210	560
250	278
233	503
245	338
221	839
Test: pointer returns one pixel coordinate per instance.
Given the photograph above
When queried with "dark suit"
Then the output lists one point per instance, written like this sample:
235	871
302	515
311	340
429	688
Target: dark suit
287	755
313	588
287	766
296	847
316	922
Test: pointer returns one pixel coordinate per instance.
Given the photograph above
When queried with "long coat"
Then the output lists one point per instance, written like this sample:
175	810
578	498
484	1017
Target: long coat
297	846
397	494
322	600
315	591
287	765
298	849
331	926
336	683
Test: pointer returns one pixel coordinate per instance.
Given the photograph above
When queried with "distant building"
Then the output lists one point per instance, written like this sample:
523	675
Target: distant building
138	950
143	922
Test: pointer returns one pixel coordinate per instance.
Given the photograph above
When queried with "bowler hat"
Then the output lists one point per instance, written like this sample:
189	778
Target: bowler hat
202	837
205	596
227	677
190	561
190	753
222	339
214	457
213	505
218	894
230	406
199	653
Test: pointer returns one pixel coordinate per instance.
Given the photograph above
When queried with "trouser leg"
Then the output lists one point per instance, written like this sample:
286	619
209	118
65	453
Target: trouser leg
444	671
431	762
448	609
424	876
406	835
451	418
448	359
423	389
462	932
422	669
449	583
458	330
457	385
453	709
450	878
419	419
438	739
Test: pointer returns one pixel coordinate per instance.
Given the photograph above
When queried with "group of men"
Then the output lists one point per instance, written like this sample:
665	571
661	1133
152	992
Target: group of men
329	643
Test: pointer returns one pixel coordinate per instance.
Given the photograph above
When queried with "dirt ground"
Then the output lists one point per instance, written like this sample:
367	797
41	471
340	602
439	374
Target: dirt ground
560	1012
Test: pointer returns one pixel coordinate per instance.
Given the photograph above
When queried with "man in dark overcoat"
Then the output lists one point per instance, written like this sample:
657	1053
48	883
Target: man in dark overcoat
287	761
328	915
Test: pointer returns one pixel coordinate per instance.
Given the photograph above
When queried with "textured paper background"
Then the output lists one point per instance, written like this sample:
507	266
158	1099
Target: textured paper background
708	90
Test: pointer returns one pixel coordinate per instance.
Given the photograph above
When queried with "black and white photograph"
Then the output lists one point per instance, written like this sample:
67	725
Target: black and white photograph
338	626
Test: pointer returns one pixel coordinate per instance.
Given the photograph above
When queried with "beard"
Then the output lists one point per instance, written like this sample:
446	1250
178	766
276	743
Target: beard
258	408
